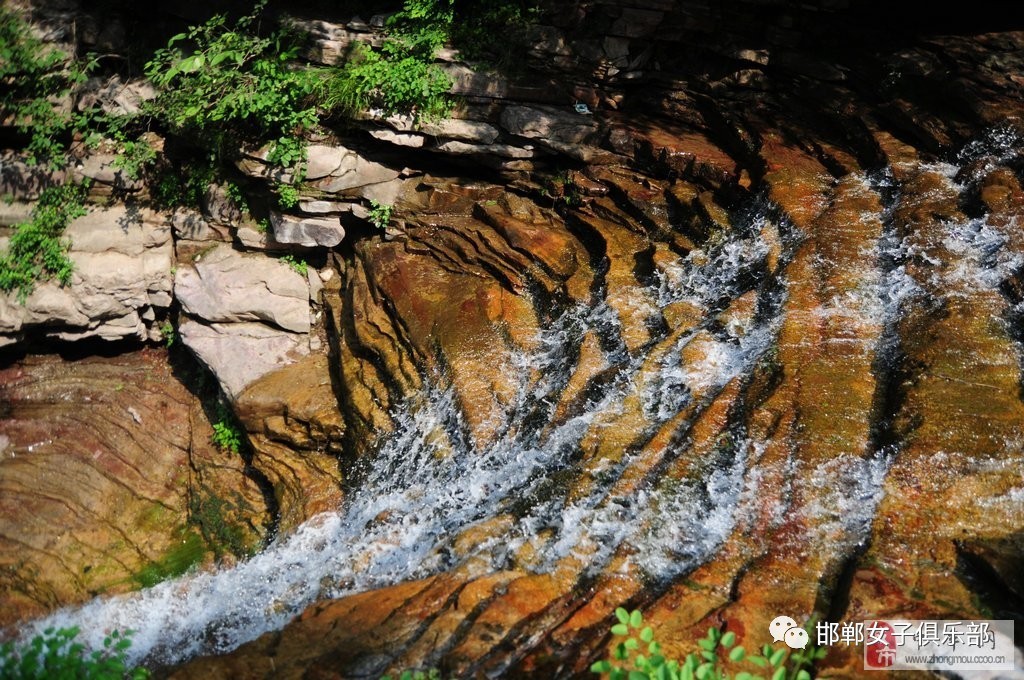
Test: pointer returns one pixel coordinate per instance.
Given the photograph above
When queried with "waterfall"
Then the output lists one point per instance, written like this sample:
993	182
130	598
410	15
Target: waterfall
428	483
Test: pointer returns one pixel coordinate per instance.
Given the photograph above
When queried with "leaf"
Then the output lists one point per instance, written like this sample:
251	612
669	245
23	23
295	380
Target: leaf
758	661
620	629
631	644
707	645
638	675
710	656
803	675
737	653
176	38
776	658
622	615
218	58
779	674
192	64
647	634
602	666
636	619
729	639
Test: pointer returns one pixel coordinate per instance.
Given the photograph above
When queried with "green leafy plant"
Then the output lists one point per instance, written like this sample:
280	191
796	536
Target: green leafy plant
226	436
34	77
380	214
184	184
136	155
493	32
168	332
638	656
298	266
224	86
287	196
396	79
36	250
54	654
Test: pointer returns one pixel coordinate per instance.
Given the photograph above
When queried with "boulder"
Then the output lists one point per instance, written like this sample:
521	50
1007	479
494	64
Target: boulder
295	428
462	130
106	176
21	181
241	353
115	96
355	171
548	123
308	232
224	286
322	160
122	258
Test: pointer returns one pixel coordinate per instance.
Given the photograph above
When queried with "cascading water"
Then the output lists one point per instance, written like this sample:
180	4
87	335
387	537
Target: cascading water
428	483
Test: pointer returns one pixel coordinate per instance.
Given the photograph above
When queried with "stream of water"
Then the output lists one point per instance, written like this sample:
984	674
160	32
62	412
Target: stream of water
428	483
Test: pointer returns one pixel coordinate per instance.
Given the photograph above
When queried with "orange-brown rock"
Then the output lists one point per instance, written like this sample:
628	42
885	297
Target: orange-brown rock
103	463
296	429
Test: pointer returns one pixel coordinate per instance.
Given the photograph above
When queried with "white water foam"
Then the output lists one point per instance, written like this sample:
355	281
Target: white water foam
428	484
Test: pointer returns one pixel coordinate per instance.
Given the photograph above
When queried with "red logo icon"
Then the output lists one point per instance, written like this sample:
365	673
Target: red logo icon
879	645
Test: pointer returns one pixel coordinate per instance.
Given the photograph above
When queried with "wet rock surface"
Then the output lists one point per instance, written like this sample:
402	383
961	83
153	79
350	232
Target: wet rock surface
795	389
103	463
756	352
296	431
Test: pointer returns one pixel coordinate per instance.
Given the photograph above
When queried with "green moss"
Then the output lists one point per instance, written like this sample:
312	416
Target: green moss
175	562
152	518
213	516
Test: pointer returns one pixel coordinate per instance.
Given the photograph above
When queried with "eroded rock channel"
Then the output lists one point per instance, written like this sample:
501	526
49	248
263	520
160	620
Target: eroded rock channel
742	338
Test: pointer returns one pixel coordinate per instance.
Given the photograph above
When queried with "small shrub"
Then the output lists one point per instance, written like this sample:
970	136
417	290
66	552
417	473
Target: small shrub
394	80
55	655
380	214
298	266
226	436
135	156
223	86
167	330
183	185
34	75
36	250
287	196
639	657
